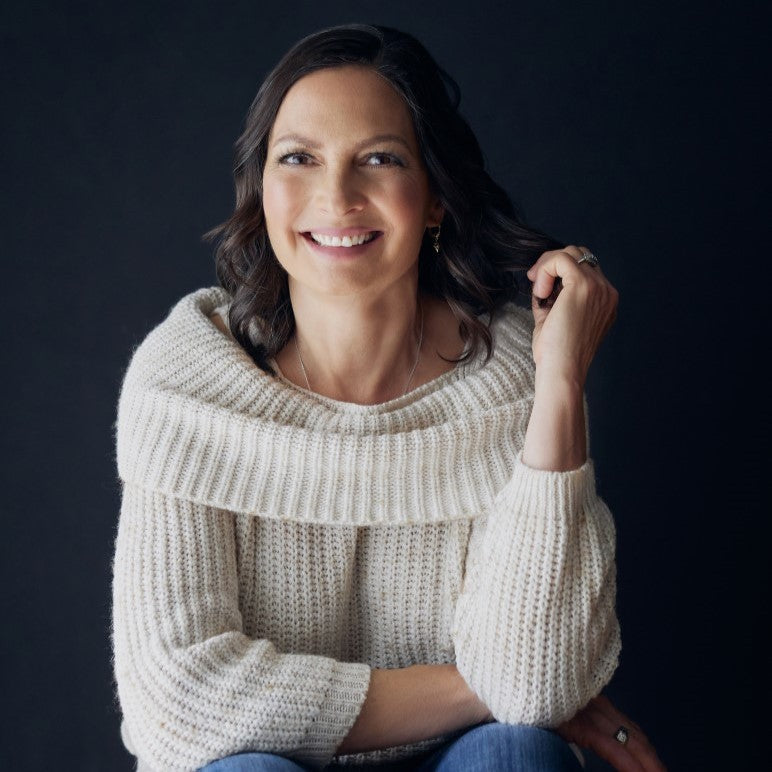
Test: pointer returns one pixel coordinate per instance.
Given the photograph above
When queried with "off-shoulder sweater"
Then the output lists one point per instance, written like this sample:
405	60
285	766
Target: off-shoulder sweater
274	545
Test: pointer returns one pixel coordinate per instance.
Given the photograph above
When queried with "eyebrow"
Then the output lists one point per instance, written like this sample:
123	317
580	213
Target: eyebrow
315	145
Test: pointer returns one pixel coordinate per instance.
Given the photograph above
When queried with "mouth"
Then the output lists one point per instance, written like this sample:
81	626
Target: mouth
342	242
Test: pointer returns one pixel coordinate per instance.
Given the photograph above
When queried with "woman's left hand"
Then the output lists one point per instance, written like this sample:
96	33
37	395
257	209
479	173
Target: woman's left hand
567	335
594	728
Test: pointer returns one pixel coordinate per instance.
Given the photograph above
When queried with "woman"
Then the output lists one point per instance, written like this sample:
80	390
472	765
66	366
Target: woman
359	526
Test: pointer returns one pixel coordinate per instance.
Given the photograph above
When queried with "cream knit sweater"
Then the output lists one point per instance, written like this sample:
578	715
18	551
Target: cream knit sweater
274	545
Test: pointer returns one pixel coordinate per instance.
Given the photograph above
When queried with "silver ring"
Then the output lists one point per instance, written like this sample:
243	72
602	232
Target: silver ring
589	258
622	735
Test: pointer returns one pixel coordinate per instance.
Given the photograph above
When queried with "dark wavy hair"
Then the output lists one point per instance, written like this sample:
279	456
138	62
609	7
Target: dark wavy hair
484	243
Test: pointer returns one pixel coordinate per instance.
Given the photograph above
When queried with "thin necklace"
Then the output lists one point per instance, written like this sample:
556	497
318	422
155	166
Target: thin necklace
415	364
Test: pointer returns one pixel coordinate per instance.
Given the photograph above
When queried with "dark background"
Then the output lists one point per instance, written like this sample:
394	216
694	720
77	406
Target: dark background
633	128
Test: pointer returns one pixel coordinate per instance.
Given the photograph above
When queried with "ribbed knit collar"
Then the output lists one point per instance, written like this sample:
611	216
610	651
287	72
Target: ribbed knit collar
197	419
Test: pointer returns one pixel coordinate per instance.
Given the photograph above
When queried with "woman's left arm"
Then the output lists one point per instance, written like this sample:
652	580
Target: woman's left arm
535	630
565	340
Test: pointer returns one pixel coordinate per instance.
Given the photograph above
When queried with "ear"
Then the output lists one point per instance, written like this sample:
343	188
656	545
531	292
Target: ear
436	213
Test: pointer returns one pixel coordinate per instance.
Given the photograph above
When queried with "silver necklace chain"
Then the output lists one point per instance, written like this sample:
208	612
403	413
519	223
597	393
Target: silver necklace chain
415	364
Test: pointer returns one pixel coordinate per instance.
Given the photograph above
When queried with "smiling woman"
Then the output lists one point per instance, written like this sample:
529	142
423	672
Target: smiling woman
357	128
359	523
360	175
332	184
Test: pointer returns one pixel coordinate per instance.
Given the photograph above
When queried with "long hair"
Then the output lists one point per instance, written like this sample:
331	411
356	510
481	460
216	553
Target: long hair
485	244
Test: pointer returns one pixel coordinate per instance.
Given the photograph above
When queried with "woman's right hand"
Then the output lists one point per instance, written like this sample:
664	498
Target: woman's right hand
477	712
594	726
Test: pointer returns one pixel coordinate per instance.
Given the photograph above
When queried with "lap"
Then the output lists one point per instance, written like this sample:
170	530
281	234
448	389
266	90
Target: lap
495	746
486	747
254	762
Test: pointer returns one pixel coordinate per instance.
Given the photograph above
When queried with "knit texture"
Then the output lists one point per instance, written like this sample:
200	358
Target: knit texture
274	545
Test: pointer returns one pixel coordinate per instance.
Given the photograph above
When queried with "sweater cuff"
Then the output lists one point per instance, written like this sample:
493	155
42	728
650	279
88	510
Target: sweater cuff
348	686
548	493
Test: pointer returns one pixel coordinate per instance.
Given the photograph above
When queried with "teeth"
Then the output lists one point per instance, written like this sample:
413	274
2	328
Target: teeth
346	241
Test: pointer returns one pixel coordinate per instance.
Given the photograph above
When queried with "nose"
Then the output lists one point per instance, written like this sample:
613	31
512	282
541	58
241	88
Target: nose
340	191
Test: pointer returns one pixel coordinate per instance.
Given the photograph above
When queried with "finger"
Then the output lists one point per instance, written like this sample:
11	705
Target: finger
576	252
591	270
558	268
608	719
582	252
583	729
545	257
637	742
605	745
545	303
616	717
564	263
558	264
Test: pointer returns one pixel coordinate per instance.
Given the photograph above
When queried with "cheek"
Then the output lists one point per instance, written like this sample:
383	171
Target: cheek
409	197
282	198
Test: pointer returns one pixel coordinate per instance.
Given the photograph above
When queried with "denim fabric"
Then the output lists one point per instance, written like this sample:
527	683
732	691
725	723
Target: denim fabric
252	762
498	747
490	747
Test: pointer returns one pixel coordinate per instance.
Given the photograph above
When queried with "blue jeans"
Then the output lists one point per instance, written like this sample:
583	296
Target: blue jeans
490	747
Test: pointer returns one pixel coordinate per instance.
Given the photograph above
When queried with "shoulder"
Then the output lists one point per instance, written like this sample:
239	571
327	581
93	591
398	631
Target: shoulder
183	365
507	379
184	340
512	330
186	389
515	321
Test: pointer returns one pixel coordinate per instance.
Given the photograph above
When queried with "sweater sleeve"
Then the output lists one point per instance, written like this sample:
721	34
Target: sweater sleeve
535	627
191	685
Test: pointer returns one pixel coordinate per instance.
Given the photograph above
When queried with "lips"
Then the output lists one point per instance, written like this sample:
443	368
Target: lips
342	253
342	233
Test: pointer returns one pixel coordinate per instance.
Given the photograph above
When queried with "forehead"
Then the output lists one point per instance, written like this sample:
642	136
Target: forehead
339	103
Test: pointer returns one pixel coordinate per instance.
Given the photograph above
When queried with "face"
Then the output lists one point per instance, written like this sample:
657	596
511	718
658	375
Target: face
343	164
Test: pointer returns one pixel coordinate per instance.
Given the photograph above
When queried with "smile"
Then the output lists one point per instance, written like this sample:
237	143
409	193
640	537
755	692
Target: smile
342	241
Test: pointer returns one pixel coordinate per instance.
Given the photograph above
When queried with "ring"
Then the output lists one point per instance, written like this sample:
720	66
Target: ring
589	258
622	735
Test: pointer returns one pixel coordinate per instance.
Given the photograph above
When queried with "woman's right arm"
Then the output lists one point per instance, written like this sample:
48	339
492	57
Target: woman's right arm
193	687
411	704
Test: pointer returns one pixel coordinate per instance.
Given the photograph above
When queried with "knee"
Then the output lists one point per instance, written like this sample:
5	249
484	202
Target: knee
526	744
515	734
253	762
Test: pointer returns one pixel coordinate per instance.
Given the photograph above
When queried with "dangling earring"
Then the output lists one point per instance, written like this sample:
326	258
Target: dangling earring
436	243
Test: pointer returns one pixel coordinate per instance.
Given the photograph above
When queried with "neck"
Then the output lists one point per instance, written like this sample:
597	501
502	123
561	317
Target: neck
357	349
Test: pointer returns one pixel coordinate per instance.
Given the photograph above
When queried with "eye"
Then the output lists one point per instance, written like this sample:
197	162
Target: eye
384	159
294	159
300	158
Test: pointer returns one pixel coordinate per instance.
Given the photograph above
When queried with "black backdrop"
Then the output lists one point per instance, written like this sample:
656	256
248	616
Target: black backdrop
633	128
